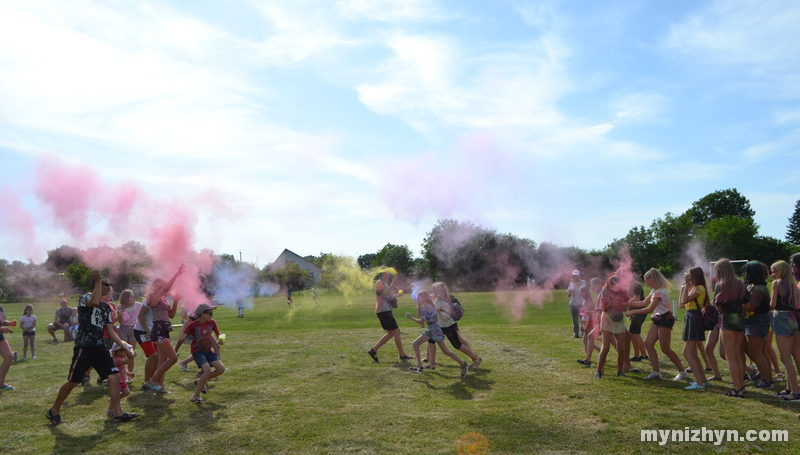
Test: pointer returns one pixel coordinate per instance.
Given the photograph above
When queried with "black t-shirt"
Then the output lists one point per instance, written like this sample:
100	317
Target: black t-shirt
91	321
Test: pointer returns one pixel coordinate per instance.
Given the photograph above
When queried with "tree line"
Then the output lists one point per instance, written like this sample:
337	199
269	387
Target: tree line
461	253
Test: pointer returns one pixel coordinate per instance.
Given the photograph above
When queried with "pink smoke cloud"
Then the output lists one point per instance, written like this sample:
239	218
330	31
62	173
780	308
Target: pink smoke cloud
462	181
17	220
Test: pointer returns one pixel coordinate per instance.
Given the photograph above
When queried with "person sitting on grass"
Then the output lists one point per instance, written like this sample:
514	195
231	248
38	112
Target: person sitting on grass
61	322
91	352
203	348
427	314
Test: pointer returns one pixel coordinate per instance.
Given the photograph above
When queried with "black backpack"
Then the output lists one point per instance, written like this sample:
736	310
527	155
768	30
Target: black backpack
710	317
456	310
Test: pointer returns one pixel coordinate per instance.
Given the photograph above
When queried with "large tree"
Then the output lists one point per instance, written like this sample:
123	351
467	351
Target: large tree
718	205
793	230
397	256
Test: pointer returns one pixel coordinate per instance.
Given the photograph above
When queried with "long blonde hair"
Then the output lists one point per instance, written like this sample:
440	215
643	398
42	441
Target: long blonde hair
787	287
126	299
730	287
657	278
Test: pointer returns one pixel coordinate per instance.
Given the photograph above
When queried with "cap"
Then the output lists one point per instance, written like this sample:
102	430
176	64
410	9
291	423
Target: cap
576	273
63	300
203	307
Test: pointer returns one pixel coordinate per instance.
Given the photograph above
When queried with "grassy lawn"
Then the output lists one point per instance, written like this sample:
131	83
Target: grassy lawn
300	381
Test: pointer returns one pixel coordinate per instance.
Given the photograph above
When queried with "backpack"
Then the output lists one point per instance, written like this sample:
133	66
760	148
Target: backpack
456	310
710	317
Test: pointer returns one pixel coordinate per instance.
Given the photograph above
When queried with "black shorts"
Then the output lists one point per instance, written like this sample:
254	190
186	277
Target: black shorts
160	330
96	357
451	333
636	323
387	320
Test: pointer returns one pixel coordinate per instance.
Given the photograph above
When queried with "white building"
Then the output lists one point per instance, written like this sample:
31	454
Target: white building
287	257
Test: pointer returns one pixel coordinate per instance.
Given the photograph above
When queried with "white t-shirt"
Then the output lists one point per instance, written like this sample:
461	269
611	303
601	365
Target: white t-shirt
27	321
443	313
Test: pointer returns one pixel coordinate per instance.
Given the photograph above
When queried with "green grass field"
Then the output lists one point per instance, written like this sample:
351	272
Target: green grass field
299	381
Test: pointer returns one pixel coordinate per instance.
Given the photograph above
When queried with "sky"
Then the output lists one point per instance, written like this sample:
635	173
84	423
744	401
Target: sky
341	126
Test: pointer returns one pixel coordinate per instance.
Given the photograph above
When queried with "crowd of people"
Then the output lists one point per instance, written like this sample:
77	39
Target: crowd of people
437	312
743	316
105	335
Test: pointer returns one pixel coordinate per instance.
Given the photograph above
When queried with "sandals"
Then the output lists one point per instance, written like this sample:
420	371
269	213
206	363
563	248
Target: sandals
55	419
406	357
791	397
783	392
739	393
429	367
373	354
714	378
416	369
126	416
197	400
205	387
477	364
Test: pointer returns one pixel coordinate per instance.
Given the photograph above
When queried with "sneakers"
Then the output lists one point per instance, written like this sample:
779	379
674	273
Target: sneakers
7	387
464	369
621	375
33	358
585	363
183	366
715	378
636	358
598	374
654	375
695	386
681	376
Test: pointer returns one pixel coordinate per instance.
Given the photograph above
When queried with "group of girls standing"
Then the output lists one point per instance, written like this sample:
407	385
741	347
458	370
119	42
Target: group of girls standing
749	314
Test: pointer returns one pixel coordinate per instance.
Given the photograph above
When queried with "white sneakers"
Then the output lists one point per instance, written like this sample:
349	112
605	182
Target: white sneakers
681	376
654	375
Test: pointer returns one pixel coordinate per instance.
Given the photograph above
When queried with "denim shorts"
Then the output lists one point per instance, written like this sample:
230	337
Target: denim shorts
203	357
732	321
784	323
757	325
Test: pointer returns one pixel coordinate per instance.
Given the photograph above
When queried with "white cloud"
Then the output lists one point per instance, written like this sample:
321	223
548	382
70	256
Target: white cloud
390	10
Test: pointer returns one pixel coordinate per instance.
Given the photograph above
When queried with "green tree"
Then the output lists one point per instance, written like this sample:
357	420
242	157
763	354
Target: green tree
718	205
365	260
79	275
291	274
397	256
731	237
672	235
793	230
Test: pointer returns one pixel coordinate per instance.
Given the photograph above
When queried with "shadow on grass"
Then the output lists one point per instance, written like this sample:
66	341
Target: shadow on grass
69	444
461	388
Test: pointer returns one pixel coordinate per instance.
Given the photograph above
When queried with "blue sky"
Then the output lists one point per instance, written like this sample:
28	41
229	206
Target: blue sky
339	126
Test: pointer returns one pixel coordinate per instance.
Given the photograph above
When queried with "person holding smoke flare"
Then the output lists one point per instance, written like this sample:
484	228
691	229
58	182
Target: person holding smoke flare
694	297
385	302
756	325
162	325
658	303
729	297
428	314
784	300
613	302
